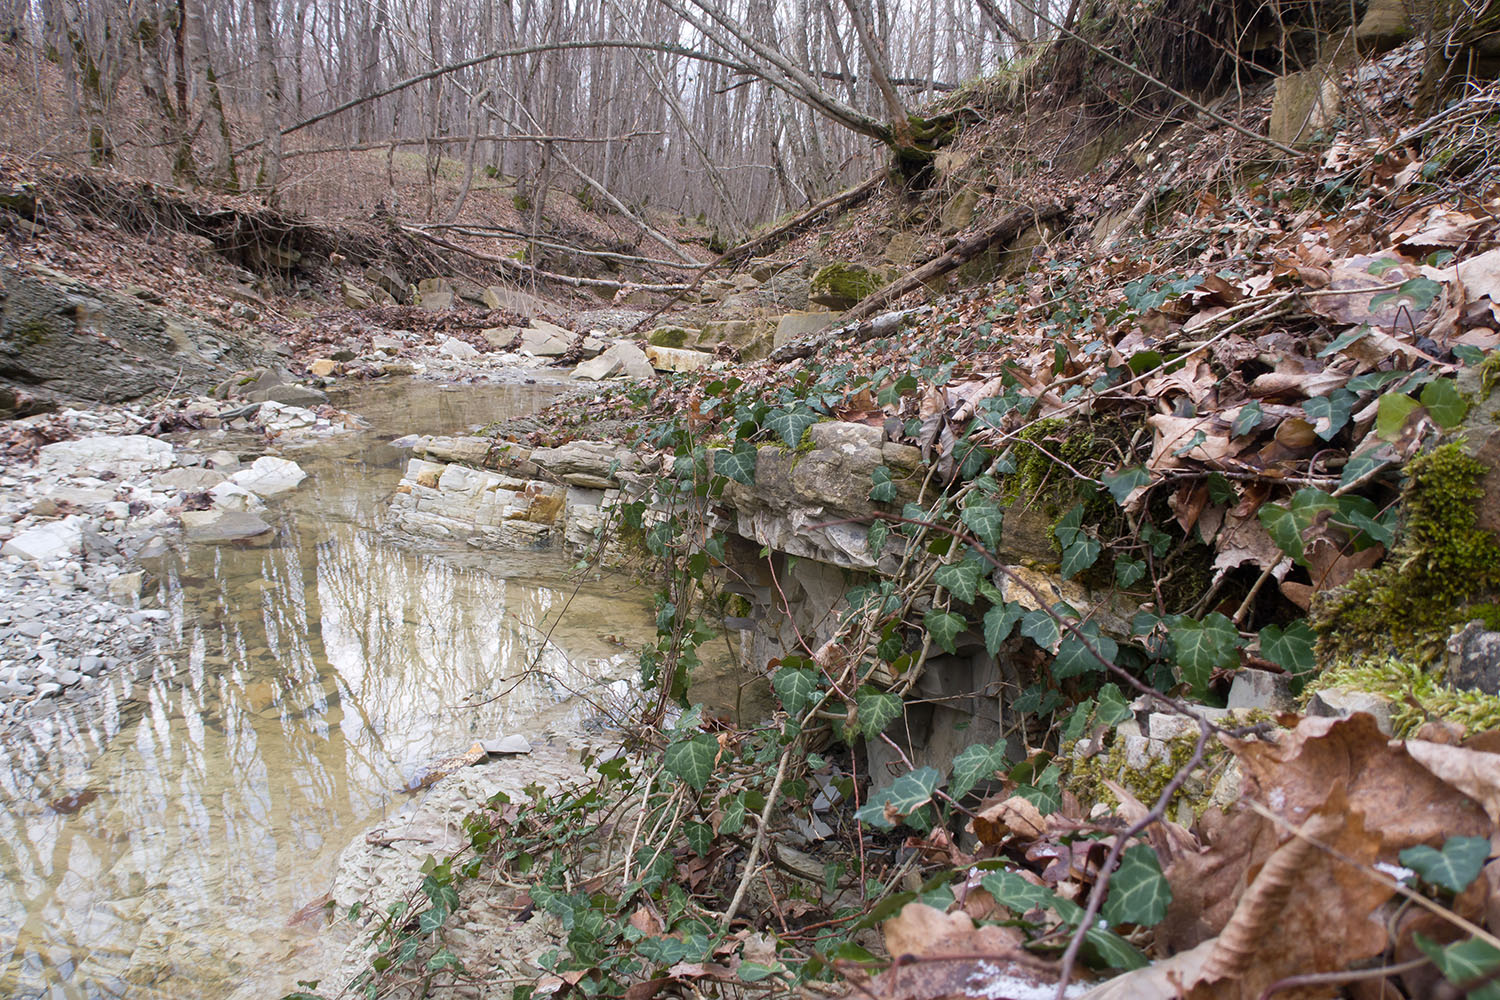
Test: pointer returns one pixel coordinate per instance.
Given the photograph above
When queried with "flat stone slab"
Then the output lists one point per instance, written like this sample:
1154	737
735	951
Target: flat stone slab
123	454
46	542
213	526
514	743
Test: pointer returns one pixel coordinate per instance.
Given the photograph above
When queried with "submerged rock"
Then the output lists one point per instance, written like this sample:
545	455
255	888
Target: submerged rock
222	525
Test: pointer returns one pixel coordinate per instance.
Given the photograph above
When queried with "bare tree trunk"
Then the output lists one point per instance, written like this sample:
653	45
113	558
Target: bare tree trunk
223	173
270	94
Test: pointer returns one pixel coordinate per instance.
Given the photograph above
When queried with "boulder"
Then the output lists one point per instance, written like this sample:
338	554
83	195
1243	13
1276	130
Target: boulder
215	526
1305	103
355	297
125	455
799	324
959	211
671	336
1473	659
291	395
269	476
544	340
672	359
323	367
1386	24
840	285
230	496
513	300
1261	689
1340	703
382	344
500	337
435	301
622	358
386	281
458	350
46	542
277	418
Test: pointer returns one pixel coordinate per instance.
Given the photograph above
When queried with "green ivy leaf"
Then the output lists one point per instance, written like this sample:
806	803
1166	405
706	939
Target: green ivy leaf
1106	950
1125	482
1421	291
1391	414
790	425
1019	896
914	789
797	687
693	759
1454	867
738	465
1344	339
961	579
733	819
1444	402
985	520
700	837
1360	465
1203	647
754	972
1080	556
883	490
1074	658
1248	419
944	628
999	621
1069	526
1040	627
1329	413
879	532
444	959
1138	892
1291	648
975	764
1112	708
1128	572
1464	962
877	708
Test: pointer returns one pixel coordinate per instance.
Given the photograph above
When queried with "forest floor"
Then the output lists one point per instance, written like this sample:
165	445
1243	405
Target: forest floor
1249	397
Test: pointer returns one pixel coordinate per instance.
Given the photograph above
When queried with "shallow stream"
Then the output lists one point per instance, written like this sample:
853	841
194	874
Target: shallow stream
177	838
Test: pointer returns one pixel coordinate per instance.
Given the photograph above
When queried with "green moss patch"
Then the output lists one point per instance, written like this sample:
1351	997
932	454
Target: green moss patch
1416	694
1441	572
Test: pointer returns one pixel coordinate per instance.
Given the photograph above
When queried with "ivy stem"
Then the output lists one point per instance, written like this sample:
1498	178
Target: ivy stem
760	837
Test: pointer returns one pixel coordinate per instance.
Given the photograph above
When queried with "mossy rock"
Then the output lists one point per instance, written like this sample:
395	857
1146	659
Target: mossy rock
670	336
1442	569
841	284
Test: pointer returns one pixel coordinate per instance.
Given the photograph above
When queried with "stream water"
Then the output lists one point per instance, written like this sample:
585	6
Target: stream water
161	844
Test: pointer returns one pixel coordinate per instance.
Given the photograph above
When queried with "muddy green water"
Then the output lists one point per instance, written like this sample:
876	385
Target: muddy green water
303	686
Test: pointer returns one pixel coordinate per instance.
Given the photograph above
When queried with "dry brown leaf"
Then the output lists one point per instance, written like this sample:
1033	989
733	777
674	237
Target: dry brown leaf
1014	816
1243	539
1179	434
992	963
1165	980
1473	772
647	922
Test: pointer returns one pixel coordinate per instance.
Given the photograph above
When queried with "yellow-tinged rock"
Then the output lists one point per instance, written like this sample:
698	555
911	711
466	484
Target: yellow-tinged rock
323	367
677	359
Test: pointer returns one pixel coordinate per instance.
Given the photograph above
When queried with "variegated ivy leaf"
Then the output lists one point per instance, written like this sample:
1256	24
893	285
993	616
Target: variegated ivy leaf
944	628
961	579
975	764
1138	892
797	687
693	759
877	709
790	426
738	465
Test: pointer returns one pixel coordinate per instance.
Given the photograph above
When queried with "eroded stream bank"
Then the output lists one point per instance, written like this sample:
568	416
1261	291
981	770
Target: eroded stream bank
175	835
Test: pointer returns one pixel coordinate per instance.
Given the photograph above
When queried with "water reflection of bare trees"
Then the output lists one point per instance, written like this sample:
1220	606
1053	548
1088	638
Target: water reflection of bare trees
306	684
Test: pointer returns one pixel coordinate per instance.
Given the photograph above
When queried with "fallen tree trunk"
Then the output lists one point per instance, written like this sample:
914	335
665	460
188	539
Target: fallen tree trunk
844	199
1002	232
510	264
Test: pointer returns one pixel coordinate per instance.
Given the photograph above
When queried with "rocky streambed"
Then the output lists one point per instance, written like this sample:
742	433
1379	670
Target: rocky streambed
224	664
